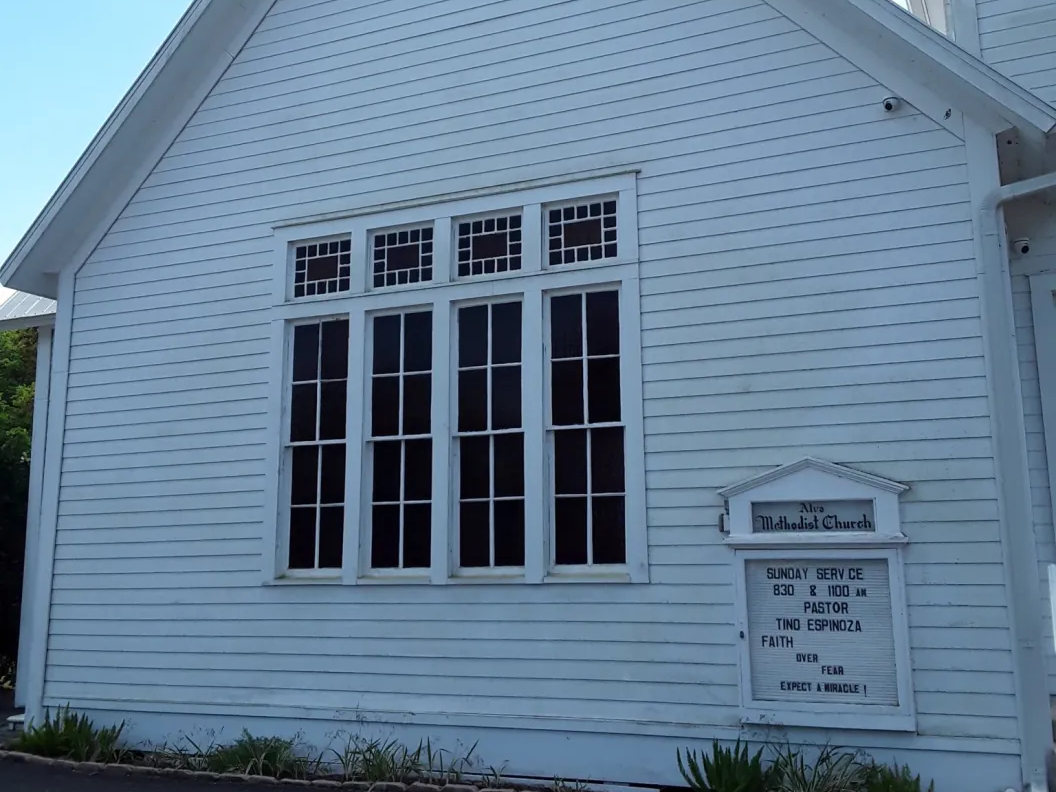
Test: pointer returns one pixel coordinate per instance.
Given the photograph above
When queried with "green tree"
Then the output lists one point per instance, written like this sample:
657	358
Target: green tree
18	353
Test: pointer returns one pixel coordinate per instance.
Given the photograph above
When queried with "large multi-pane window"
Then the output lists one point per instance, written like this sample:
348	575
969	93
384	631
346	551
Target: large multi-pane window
465	405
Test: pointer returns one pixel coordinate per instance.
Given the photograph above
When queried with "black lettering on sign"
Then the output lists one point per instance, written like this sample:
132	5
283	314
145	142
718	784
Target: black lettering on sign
784	590
859	592
824	606
784	623
834	625
811	508
776	642
786	573
806	657
841	687
839	590
855	573
832	670
796	687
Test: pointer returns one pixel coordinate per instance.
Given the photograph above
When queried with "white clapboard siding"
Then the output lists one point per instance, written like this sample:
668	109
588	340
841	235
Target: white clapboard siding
1018	38
1037	457
808	287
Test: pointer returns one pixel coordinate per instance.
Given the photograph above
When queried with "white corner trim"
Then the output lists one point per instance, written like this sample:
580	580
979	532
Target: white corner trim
1043	308
812	463
42	386
49	498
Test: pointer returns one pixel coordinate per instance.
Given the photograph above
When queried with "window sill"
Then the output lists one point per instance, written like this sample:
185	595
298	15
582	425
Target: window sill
394	579
308	578
577	576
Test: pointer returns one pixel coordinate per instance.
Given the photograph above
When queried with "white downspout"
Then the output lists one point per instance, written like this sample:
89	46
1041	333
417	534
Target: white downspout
1013	480
36	476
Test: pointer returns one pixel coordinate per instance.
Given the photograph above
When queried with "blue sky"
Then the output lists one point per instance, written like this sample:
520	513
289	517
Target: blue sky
64	66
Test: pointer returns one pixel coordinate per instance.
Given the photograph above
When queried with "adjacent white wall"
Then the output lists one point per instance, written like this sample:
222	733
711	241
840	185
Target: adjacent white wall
1018	38
808	288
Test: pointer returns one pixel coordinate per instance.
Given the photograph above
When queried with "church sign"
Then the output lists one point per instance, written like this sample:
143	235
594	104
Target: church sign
820	598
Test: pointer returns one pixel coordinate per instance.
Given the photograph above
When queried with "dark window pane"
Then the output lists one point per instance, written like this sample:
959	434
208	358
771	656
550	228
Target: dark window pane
606	460
570	531
418	341
303	483
586	232
302	413
335	350
332	418
403	257
386	344
473	336
305	352
385	406
506	397
473	400
488	246
566	392
566	326
474	467
509	533
322	268
302	538
386	472
418	470
570	462
607	522
474	540
603	323
416	532
332	489
417	404
331	536
603	389
385	537
506	333
509	465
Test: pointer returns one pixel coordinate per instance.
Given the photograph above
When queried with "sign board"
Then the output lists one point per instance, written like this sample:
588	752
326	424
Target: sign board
821	631
813	515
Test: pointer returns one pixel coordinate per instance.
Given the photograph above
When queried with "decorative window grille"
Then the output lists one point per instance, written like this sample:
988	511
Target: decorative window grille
488	245
580	232
322	268
403	256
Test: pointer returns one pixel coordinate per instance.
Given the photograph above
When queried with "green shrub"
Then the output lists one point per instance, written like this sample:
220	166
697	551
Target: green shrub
274	757
72	736
834	770
894	779
726	770
7	674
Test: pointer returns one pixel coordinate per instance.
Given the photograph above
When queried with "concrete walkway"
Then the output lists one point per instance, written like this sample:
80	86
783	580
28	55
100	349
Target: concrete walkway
19	777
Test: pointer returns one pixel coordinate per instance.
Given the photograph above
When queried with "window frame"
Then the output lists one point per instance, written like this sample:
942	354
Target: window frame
443	296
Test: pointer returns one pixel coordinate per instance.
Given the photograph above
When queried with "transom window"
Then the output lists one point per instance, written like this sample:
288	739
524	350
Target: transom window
487	427
403	256
322	268
488	245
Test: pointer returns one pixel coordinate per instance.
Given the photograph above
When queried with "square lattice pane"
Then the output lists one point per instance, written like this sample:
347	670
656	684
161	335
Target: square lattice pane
582	232
489	245
322	268
402	257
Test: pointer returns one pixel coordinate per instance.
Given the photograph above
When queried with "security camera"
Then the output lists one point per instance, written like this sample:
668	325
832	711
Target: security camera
1021	246
891	103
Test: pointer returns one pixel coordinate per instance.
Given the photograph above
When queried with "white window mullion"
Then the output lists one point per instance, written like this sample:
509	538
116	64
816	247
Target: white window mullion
533	399
631	411
357	419
444	401
532	247
442	245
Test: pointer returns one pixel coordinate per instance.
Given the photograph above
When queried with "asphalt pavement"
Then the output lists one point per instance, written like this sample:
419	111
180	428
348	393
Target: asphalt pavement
22	777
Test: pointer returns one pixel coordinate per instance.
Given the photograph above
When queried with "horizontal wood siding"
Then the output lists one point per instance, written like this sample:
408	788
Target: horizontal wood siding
1018	38
807	288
